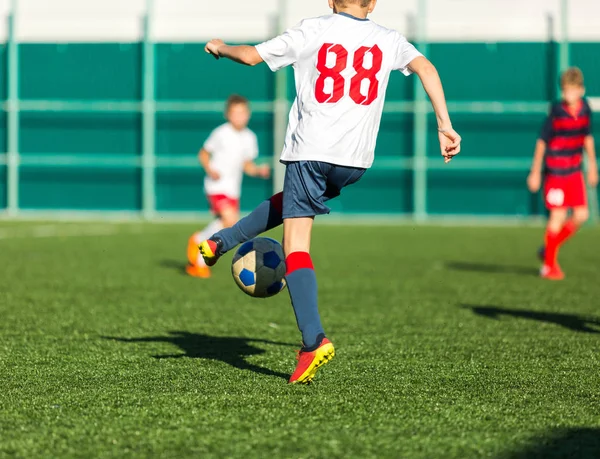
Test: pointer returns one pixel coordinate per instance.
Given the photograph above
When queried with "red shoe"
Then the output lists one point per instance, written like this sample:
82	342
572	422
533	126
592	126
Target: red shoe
310	361
202	272
552	272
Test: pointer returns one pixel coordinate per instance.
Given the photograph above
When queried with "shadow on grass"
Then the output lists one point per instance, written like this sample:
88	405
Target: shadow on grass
491	268
572	322
227	349
580	443
175	265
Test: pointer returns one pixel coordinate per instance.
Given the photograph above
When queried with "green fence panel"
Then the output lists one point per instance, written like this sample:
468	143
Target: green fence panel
80	71
93	188
3	187
496	71
3	75
3	146
180	190
185	71
379	191
395	137
80	133
585	56
479	193
507	136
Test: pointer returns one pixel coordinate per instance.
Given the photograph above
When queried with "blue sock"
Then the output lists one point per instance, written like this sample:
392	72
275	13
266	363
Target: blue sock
265	217
302	287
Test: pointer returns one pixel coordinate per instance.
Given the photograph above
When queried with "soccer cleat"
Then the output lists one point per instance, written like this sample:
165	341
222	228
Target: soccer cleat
211	250
192	251
541	253
552	272
309	361
202	272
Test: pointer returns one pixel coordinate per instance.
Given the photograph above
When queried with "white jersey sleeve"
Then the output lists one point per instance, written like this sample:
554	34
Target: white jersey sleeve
252	148
405	55
212	143
283	50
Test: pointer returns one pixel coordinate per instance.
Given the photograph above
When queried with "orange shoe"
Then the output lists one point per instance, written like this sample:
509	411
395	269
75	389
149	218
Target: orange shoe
198	271
310	361
552	272
192	251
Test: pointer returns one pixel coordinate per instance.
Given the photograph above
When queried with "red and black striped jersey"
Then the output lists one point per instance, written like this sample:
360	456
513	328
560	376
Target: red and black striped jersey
564	134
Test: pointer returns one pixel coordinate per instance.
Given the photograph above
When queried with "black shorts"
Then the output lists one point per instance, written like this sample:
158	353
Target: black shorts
308	185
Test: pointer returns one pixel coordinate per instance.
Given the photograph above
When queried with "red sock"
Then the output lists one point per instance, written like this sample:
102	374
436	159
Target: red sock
555	240
566	232
551	248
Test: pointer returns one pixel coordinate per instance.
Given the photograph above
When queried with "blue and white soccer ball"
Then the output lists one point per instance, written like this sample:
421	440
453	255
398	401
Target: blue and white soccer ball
258	267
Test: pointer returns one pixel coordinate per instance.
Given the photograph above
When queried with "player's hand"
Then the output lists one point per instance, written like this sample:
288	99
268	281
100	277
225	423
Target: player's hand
592	177
534	181
264	171
449	144
212	47
214	175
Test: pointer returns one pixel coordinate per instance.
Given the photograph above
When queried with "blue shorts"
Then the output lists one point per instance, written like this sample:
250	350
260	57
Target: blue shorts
308	185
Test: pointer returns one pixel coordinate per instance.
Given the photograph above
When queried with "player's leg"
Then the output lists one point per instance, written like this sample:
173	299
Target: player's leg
230	215
581	215
569	192
304	187
554	197
308	185
301	280
265	217
575	198
556	221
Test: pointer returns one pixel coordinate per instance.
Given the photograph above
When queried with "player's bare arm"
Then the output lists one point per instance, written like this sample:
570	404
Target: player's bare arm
449	139
204	157
534	179
242	54
254	170
590	149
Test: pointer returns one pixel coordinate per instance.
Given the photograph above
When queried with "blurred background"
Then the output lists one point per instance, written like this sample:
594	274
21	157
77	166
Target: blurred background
105	104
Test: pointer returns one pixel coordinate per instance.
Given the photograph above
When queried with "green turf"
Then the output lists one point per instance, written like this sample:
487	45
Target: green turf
448	345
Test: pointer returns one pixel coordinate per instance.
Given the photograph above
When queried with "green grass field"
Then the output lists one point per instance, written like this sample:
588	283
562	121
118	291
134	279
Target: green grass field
448	345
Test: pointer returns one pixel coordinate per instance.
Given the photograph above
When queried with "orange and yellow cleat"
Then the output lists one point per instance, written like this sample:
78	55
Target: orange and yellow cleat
192	251
202	272
310	361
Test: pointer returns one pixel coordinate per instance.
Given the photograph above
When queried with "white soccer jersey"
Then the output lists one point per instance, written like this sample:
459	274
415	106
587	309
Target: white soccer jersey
342	67
230	150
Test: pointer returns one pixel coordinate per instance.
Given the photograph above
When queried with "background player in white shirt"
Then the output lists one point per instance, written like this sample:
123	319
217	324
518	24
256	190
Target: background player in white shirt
342	63
227	154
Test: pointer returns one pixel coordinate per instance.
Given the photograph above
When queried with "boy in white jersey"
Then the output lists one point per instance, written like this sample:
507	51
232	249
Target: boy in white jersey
227	154
342	63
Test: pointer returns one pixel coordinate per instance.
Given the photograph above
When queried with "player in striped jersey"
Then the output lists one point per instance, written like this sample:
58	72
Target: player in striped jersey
559	157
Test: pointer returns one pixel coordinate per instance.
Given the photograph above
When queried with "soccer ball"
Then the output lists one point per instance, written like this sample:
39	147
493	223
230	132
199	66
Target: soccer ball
258	267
